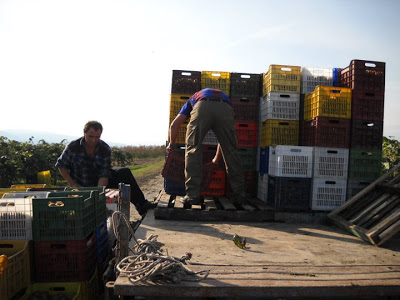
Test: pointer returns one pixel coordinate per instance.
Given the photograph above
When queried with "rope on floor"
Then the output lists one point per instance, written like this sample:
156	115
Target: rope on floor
148	263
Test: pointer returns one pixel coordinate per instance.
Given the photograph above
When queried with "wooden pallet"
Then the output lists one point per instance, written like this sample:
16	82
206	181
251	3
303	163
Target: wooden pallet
374	213
214	209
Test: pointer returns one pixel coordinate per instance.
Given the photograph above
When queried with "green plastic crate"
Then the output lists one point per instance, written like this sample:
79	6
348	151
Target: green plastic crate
68	215
100	201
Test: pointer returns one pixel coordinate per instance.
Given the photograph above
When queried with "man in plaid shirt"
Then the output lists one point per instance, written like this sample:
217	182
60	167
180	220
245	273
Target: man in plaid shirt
86	162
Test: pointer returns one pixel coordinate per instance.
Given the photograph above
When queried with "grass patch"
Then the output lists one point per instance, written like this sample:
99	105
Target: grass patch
146	167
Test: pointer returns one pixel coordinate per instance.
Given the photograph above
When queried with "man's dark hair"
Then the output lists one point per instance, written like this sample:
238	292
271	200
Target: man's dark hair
93	124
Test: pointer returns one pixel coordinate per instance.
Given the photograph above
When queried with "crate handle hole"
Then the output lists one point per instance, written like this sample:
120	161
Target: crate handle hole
286	69
186	73
370	65
245	76
215	74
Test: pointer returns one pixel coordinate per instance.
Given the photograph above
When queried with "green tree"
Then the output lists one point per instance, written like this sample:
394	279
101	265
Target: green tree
390	153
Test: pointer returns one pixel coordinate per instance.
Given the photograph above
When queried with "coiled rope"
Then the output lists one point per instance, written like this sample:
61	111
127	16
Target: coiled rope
148	263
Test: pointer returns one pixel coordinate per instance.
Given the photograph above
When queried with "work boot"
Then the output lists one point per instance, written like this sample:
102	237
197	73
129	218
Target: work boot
191	200
142	208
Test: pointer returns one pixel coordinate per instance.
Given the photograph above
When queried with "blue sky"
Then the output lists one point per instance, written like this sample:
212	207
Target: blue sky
63	63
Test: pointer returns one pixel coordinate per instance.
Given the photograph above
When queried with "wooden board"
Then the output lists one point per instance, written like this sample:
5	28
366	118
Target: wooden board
283	261
214	209
374	213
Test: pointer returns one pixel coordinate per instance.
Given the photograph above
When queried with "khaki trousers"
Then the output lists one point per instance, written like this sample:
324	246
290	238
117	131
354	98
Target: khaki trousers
219	117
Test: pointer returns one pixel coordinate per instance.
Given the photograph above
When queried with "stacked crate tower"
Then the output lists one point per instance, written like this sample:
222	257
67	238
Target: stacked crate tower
326	128
244	91
366	79
284	166
68	241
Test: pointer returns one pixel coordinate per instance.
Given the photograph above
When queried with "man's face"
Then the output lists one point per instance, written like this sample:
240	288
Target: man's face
92	137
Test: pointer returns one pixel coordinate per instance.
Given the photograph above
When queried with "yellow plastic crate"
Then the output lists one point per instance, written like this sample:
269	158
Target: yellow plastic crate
16	274
181	137
216	80
90	288
3	282
8	190
71	290
27	186
327	101
279	132
176	103
282	79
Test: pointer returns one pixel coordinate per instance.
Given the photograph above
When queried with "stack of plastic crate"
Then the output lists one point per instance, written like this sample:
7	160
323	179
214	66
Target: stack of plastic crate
327	114
184	84
279	116
329	182
245	91
15	244
366	79
64	241
289	177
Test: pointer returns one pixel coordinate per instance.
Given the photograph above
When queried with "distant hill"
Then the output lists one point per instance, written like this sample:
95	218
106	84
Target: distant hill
48	137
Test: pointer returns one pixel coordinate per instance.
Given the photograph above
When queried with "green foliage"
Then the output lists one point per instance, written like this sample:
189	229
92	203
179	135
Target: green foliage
390	153
21	161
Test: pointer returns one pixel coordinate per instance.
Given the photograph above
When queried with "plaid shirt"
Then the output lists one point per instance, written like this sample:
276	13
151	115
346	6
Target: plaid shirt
188	106
86	170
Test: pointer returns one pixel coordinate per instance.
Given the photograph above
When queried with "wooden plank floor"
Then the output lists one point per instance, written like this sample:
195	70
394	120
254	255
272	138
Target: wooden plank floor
283	260
222	209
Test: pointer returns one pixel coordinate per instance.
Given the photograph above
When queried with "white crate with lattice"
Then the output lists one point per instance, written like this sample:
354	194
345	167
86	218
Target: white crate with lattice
210	138
16	219
290	161
280	106
262	187
331	163
328	194
311	77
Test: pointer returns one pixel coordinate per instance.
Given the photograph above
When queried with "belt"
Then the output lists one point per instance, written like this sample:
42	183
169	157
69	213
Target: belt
213	99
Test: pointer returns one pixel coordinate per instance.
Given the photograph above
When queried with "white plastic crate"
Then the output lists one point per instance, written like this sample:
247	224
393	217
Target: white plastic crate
331	163
311	77
210	138
290	161
16	219
262	189
328	194
280	106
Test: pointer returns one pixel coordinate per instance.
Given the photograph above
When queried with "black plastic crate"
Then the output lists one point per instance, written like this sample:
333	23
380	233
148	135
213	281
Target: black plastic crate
367	105
185	82
325	132
289	192
364	75
246	108
245	85
366	134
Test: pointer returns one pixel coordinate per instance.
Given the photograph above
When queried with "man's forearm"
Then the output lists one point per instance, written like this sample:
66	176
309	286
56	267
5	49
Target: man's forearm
65	174
103	181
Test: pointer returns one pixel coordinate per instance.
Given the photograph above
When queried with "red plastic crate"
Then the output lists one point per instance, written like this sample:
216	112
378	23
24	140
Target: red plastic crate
65	261
367	105
364	75
246	109
216	186
325	132
174	167
208	155
247	133
366	134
